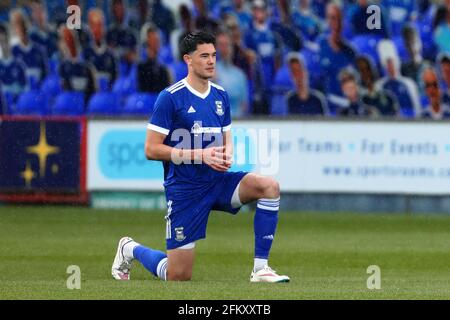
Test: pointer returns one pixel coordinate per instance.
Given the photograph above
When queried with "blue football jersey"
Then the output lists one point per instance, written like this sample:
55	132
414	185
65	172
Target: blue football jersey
12	76
33	59
191	120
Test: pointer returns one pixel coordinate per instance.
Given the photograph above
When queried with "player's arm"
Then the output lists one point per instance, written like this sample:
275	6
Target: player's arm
155	149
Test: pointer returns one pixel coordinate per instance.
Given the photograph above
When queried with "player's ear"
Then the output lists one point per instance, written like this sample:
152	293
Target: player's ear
187	59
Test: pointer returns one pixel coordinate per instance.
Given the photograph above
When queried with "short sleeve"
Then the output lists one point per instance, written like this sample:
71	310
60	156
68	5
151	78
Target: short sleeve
161	119
226	123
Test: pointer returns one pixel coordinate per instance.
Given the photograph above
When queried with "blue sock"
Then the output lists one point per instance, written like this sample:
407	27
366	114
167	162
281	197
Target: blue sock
265	224
152	260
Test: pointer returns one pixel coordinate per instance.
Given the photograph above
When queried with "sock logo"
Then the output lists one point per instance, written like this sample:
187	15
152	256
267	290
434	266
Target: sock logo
269	237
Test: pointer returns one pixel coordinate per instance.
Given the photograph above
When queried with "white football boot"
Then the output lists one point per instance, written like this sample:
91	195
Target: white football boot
121	266
267	275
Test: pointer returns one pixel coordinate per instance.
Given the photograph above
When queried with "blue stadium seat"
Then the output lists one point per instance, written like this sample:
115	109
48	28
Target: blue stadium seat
9	100
367	44
401	48
104	103
283	77
278	105
165	54
33	102
140	103
179	70
51	85
126	82
69	103
312	60
103	84
281	86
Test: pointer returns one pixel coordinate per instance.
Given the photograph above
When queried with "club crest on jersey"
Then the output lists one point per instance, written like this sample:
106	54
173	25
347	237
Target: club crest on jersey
179	234
219	108
196	128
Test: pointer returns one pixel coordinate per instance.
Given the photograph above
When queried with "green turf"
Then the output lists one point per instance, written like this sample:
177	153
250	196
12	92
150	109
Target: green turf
326	255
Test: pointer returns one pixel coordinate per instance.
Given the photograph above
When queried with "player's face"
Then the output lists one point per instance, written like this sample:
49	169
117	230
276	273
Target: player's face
445	68
431	84
203	61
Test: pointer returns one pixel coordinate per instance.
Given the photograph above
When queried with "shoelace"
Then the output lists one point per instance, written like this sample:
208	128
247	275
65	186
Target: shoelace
125	266
269	269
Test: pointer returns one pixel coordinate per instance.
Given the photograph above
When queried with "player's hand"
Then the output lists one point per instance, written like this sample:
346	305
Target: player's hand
216	158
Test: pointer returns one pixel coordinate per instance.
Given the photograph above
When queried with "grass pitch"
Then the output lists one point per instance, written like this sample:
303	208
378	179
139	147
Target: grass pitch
326	255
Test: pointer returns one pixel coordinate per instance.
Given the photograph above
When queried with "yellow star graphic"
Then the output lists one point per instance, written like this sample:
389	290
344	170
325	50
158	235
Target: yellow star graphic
28	174
42	150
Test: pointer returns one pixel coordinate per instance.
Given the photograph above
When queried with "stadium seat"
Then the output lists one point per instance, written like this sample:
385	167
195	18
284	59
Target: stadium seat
104	103
367	44
9	101
165	55
282	85
33	102
401	48
283	78
103	84
51	85
179	70
69	103
140	103
126	82
278	105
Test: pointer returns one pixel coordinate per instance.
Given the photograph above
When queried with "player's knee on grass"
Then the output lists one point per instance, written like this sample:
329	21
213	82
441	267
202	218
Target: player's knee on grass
178	274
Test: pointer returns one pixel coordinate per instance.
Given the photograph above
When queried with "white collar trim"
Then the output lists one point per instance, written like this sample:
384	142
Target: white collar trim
198	94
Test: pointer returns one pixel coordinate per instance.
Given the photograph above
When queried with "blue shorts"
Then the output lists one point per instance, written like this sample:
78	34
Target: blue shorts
188	210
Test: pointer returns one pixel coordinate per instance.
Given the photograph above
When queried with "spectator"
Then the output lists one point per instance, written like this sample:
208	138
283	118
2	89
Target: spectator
400	13
186	26
359	18
75	74
25	51
351	90
384	101
152	76
230	77
404	89
264	42
202	19
413	44
440	15
437	109
83	34
121	39
442	31
97	54
306	22
303	101
335	53
444	62
284	28
12	71
242	14
163	18
41	32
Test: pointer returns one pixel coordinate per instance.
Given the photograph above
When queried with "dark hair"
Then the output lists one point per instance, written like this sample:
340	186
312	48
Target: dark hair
4	29
190	42
443	57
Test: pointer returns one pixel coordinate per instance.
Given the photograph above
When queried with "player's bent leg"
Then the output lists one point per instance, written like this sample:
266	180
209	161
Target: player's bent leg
180	264
254	187
266	191
154	261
